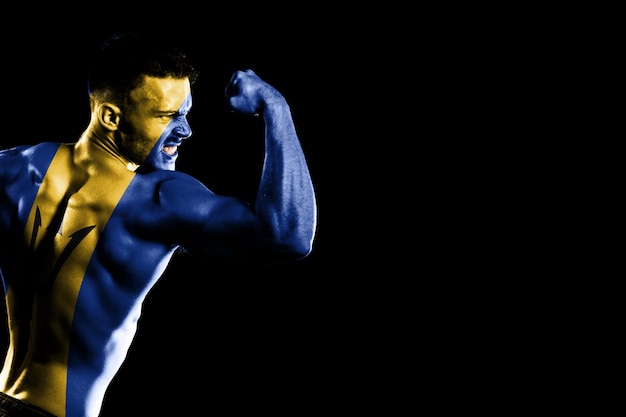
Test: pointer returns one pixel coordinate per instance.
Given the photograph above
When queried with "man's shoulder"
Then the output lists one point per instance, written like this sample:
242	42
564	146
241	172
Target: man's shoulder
168	186
29	157
38	150
162	197
170	179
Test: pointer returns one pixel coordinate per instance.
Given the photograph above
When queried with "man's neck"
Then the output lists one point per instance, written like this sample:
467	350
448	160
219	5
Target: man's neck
97	149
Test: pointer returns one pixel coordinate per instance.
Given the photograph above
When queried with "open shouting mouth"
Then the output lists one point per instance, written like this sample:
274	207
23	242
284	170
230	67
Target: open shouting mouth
170	149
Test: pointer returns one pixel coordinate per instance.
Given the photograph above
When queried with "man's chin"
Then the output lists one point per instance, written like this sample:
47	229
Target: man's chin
163	162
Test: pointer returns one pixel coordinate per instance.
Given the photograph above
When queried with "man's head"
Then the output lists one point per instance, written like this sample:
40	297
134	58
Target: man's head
140	89
118	66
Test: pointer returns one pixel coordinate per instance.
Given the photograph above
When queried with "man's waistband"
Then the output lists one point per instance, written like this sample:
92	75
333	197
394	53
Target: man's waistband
12	407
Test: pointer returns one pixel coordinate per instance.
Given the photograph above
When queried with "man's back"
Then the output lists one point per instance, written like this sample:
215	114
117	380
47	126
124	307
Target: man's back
73	314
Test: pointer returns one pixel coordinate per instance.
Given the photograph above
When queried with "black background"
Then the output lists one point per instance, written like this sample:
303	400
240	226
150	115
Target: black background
416	126
281	339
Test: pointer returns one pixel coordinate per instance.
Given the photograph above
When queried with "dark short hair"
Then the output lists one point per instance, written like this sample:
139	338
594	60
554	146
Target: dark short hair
124	58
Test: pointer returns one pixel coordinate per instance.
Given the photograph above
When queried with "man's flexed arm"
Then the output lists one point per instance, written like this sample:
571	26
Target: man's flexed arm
286	198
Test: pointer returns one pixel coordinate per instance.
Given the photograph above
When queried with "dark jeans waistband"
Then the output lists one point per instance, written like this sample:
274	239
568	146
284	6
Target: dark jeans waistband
12	407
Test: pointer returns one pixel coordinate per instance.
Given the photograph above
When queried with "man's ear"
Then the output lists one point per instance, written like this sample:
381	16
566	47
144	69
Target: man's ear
109	116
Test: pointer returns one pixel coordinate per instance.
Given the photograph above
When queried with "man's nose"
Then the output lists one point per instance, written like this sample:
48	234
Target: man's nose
183	130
